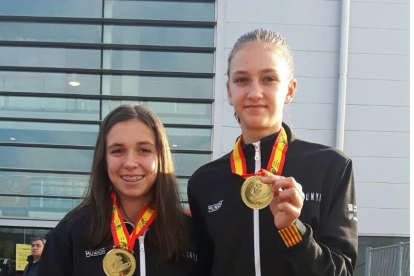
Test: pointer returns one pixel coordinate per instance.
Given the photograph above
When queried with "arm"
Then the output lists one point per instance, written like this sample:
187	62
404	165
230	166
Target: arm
56	257
334	250
204	244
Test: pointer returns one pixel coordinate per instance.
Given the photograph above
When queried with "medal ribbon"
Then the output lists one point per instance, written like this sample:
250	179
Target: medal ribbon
276	161
120	234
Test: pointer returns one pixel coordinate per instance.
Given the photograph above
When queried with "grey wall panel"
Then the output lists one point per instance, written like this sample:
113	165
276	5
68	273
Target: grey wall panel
377	118
316	90
379	41
228	116
377	144
310	12
378	67
383	1
324	137
380	15
310	116
381	170
383	222
378	92
316	64
299	37
394	196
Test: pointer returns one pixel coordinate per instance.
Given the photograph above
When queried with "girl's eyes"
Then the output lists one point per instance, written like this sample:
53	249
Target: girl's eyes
269	79
265	79
119	151
116	151
145	150
240	80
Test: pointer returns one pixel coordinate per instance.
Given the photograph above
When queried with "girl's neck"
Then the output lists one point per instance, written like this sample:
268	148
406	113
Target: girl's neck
254	135
131	208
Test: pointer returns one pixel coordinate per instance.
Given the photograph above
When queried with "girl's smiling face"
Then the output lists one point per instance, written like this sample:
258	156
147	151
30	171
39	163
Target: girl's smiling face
132	159
259	86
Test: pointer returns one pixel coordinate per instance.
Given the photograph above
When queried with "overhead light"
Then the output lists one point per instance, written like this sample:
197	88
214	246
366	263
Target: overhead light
74	83
73	80
12	138
175	145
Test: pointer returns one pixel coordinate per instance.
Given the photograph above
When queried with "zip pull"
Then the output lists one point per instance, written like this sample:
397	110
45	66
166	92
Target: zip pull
141	243
257	156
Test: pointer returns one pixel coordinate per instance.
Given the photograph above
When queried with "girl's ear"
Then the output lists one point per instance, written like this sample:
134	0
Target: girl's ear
291	91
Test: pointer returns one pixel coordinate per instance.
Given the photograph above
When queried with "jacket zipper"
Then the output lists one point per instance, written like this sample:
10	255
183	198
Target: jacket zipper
256	228
142	254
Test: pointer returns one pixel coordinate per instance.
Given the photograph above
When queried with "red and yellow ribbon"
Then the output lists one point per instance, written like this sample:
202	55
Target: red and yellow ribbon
276	161
120	234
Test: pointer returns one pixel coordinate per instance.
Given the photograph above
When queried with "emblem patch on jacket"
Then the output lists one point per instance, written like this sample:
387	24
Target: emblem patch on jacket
215	207
94	253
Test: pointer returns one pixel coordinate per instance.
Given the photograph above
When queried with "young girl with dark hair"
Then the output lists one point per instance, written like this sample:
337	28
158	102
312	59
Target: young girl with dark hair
130	222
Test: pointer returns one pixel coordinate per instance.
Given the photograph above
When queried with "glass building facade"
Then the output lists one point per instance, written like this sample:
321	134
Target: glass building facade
64	65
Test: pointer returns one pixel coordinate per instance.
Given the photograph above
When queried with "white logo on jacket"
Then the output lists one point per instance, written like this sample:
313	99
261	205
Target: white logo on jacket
94	253
215	207
313	197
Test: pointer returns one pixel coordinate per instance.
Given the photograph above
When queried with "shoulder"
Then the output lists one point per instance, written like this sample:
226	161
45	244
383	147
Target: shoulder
74	223
317	152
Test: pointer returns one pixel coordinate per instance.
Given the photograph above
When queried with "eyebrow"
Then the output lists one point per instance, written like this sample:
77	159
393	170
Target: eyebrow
143	143
269	70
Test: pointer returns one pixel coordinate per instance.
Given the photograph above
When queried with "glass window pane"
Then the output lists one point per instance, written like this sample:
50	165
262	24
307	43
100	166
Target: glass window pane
43	184
49	83
186	164
182	188
48	133
50	57
167	10
58	8
170	113
157	87
158	61
46	159
188	138
164	36
50	32
34	207
49	108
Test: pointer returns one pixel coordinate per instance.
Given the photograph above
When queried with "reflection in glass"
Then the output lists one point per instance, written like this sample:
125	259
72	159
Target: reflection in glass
50	32
35	207
168	87
49	108
158	61
46	159
164	36
168	10
188	139
49	83
187	163
170	112
50	57
53	8
43	184
48	133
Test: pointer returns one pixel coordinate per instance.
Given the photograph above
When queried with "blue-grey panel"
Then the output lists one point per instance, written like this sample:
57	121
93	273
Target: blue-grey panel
377	118
377	144
379	41
382	170
378	92
378	67
380	15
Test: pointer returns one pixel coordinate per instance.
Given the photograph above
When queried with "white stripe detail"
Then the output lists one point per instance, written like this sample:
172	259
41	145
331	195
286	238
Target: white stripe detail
143	269
256	224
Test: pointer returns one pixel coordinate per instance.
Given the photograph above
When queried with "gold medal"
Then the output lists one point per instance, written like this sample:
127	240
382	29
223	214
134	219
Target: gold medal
119	262
255	194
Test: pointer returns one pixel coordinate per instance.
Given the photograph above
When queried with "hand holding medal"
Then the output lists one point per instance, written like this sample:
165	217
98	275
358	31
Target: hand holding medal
288	199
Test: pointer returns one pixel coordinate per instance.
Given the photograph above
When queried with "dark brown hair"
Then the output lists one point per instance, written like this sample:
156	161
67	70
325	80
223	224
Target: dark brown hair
168	225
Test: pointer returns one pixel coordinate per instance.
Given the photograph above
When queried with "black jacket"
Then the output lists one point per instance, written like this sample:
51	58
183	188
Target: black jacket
31	268
66	254
328	222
